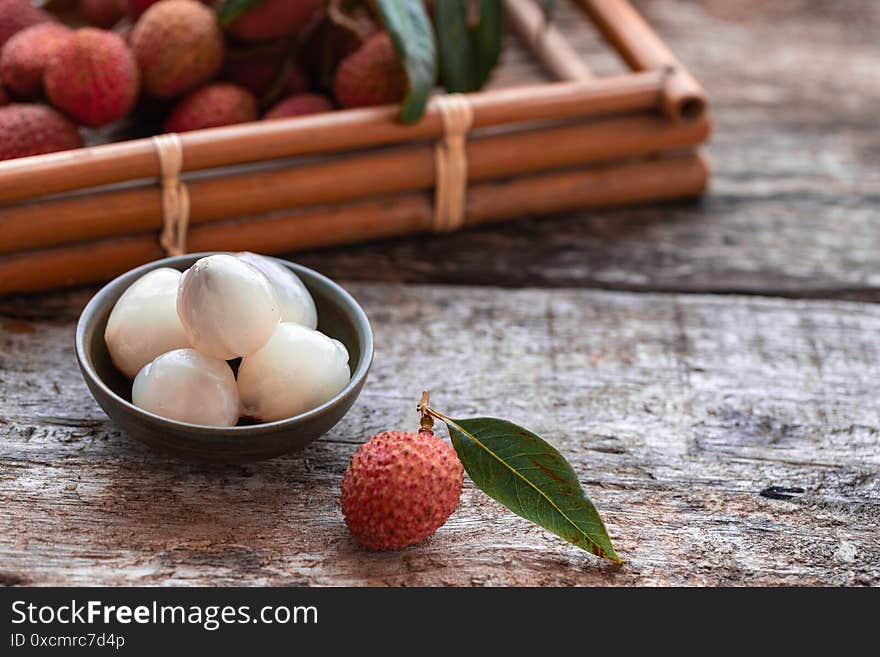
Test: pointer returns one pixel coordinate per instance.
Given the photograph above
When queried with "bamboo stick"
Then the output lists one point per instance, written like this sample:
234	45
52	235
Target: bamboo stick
661	178
133	210
546	41
55	173
643	50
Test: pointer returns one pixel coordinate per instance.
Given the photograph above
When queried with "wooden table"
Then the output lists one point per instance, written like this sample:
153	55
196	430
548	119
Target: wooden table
711	369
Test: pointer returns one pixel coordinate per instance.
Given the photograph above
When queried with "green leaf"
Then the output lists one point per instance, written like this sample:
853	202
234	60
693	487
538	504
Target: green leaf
413	37
469	49
528	476
232	9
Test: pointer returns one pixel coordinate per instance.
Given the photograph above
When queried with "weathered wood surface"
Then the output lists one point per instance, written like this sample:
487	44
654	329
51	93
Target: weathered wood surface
795	195
727	439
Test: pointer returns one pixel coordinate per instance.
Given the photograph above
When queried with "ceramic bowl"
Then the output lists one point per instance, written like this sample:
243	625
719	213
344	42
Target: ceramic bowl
339	316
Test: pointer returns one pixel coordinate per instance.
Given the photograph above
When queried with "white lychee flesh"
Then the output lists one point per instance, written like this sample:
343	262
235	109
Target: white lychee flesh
296	371
144	323
296	303
228	308
187	386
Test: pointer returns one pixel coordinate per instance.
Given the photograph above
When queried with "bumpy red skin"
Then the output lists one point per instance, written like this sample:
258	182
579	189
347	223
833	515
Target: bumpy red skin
27	129
102	13
92	77
24	58
273	19
371	76
300	105
213	106
399	489
15	15
178	46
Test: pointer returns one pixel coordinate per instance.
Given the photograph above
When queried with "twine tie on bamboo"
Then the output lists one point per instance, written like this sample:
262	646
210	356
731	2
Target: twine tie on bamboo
175	196
450	157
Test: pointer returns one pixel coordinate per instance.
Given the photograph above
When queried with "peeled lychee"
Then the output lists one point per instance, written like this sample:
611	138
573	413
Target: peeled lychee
212	106
297	370
187	386
372	75
178	46
15	15
144	323
299	105
272	19
295	302
102	13
27	129
228	308
25	56
400	488
92	77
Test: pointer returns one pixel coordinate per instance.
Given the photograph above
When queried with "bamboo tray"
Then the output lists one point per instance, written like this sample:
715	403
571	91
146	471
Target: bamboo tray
578	141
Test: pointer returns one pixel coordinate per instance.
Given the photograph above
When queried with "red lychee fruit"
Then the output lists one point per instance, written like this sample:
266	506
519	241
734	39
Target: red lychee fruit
27	129
212	106
300	105
15	15
178	46
258	69
134	8
25	56
372	75
102	13
272	19
92	77
400	488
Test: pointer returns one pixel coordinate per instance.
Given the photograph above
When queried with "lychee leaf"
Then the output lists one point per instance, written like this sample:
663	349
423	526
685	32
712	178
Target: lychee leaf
232	9
469	44
413	37
531	478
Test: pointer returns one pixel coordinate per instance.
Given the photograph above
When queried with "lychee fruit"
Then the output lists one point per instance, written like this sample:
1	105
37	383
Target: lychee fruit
102	13
15	15
24	58
135	8
272	19
92	77
178	46
259	69
400	488
29	129
212	106
299	105
372	75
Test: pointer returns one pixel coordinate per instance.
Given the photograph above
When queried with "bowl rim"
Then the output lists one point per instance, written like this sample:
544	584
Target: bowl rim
360	319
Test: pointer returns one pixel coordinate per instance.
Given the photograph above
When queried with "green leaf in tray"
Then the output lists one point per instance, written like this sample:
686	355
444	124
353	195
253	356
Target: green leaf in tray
413	37
232	9
469	44
528	476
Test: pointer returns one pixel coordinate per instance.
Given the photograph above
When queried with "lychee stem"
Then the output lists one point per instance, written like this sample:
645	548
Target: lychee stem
426	422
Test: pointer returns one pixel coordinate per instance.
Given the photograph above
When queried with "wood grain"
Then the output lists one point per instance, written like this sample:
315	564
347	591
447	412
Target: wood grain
794	203
726	441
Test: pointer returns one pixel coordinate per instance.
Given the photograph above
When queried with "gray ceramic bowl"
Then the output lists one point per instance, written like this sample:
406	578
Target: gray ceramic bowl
339	316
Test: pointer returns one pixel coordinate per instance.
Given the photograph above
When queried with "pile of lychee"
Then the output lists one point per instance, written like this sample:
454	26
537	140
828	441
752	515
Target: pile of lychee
179	335
171	63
